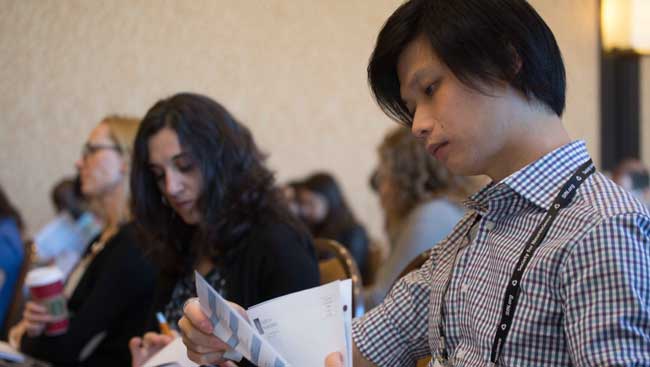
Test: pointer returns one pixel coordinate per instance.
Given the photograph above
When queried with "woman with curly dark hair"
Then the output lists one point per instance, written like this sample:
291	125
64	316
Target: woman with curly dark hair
206	201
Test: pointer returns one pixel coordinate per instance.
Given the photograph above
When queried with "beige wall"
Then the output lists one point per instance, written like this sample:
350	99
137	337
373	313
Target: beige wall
294	71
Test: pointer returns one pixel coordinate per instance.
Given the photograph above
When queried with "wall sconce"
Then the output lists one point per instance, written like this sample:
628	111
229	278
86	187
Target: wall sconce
625	36
625	26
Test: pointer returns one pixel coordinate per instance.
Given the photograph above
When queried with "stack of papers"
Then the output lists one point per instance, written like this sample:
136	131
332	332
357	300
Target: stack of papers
173	355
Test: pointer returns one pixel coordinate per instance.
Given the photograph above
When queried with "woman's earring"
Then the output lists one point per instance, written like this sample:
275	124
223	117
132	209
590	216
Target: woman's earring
164	201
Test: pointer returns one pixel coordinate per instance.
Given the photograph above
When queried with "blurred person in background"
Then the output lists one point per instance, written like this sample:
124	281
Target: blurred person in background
421	201
110	290
64	240
632	175
319	202
12	253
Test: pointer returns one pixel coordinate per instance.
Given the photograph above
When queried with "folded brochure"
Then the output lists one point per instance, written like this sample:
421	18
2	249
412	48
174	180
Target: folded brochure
298	329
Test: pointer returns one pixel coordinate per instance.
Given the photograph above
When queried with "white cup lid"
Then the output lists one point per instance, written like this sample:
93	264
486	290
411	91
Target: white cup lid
43	276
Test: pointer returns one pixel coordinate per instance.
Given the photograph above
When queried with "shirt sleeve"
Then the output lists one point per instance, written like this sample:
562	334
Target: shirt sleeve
606	291
395	333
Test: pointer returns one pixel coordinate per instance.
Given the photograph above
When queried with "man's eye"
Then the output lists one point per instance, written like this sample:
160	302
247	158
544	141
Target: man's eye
430	89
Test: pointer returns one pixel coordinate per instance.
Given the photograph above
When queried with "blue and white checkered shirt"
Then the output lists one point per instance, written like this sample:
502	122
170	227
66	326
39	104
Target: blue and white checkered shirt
585	296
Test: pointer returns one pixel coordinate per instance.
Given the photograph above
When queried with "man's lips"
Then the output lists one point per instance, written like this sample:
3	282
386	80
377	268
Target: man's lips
434	149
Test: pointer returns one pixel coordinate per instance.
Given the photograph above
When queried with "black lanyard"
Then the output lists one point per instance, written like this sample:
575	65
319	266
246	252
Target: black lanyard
511	296
509	304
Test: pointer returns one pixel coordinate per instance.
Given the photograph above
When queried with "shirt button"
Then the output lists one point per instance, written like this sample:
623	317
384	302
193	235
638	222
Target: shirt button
489	225
464	288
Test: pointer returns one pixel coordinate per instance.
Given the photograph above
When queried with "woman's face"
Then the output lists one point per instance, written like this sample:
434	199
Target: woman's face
385	187
177	175
310	206
102	167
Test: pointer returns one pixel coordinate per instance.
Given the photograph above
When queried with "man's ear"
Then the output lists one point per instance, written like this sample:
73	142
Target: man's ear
125	167
517	61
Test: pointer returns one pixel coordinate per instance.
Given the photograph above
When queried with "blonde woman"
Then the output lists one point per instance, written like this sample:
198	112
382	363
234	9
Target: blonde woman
421	203
111	288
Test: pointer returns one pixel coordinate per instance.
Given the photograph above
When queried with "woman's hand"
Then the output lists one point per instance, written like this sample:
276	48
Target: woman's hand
151	343
35	317
202	346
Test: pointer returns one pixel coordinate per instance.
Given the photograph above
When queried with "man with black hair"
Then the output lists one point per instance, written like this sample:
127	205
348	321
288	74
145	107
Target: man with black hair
551	266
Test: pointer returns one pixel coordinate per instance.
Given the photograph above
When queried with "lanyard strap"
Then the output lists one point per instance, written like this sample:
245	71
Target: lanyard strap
509	304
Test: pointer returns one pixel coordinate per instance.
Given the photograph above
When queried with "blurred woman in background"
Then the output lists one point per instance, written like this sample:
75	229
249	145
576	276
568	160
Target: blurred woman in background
421	203
319	202
12	253
111	288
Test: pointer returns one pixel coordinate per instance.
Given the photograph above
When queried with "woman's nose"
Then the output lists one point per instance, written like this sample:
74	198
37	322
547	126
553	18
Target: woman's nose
172	184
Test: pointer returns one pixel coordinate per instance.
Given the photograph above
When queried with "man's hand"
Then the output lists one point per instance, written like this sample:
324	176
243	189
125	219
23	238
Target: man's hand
334	360
202	346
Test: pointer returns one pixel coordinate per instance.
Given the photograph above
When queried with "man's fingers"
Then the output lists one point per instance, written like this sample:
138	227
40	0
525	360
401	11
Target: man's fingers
192	311
227	364
239	309
334	360
205	358
215	346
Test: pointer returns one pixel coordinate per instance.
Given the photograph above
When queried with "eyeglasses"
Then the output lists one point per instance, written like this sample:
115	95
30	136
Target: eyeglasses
90	149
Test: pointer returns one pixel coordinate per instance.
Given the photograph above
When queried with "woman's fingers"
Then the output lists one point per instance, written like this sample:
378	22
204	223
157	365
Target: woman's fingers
35	307
156	340
35	313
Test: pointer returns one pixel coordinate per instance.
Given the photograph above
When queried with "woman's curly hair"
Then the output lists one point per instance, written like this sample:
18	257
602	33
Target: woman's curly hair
238	188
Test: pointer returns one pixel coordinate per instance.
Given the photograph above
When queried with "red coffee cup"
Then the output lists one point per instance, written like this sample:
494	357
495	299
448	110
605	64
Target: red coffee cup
46	287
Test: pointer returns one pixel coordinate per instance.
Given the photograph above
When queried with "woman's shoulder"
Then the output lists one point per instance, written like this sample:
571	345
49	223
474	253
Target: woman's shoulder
436	207
9	228
278	229
126	243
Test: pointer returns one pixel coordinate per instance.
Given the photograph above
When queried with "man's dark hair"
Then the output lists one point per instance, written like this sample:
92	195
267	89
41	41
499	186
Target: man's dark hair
480	41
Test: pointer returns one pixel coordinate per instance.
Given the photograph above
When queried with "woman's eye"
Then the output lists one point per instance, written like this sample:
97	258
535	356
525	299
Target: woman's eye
158	176
184	164
185	167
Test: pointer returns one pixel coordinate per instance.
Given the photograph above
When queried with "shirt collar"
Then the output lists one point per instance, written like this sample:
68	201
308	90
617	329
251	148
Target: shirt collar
540	181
